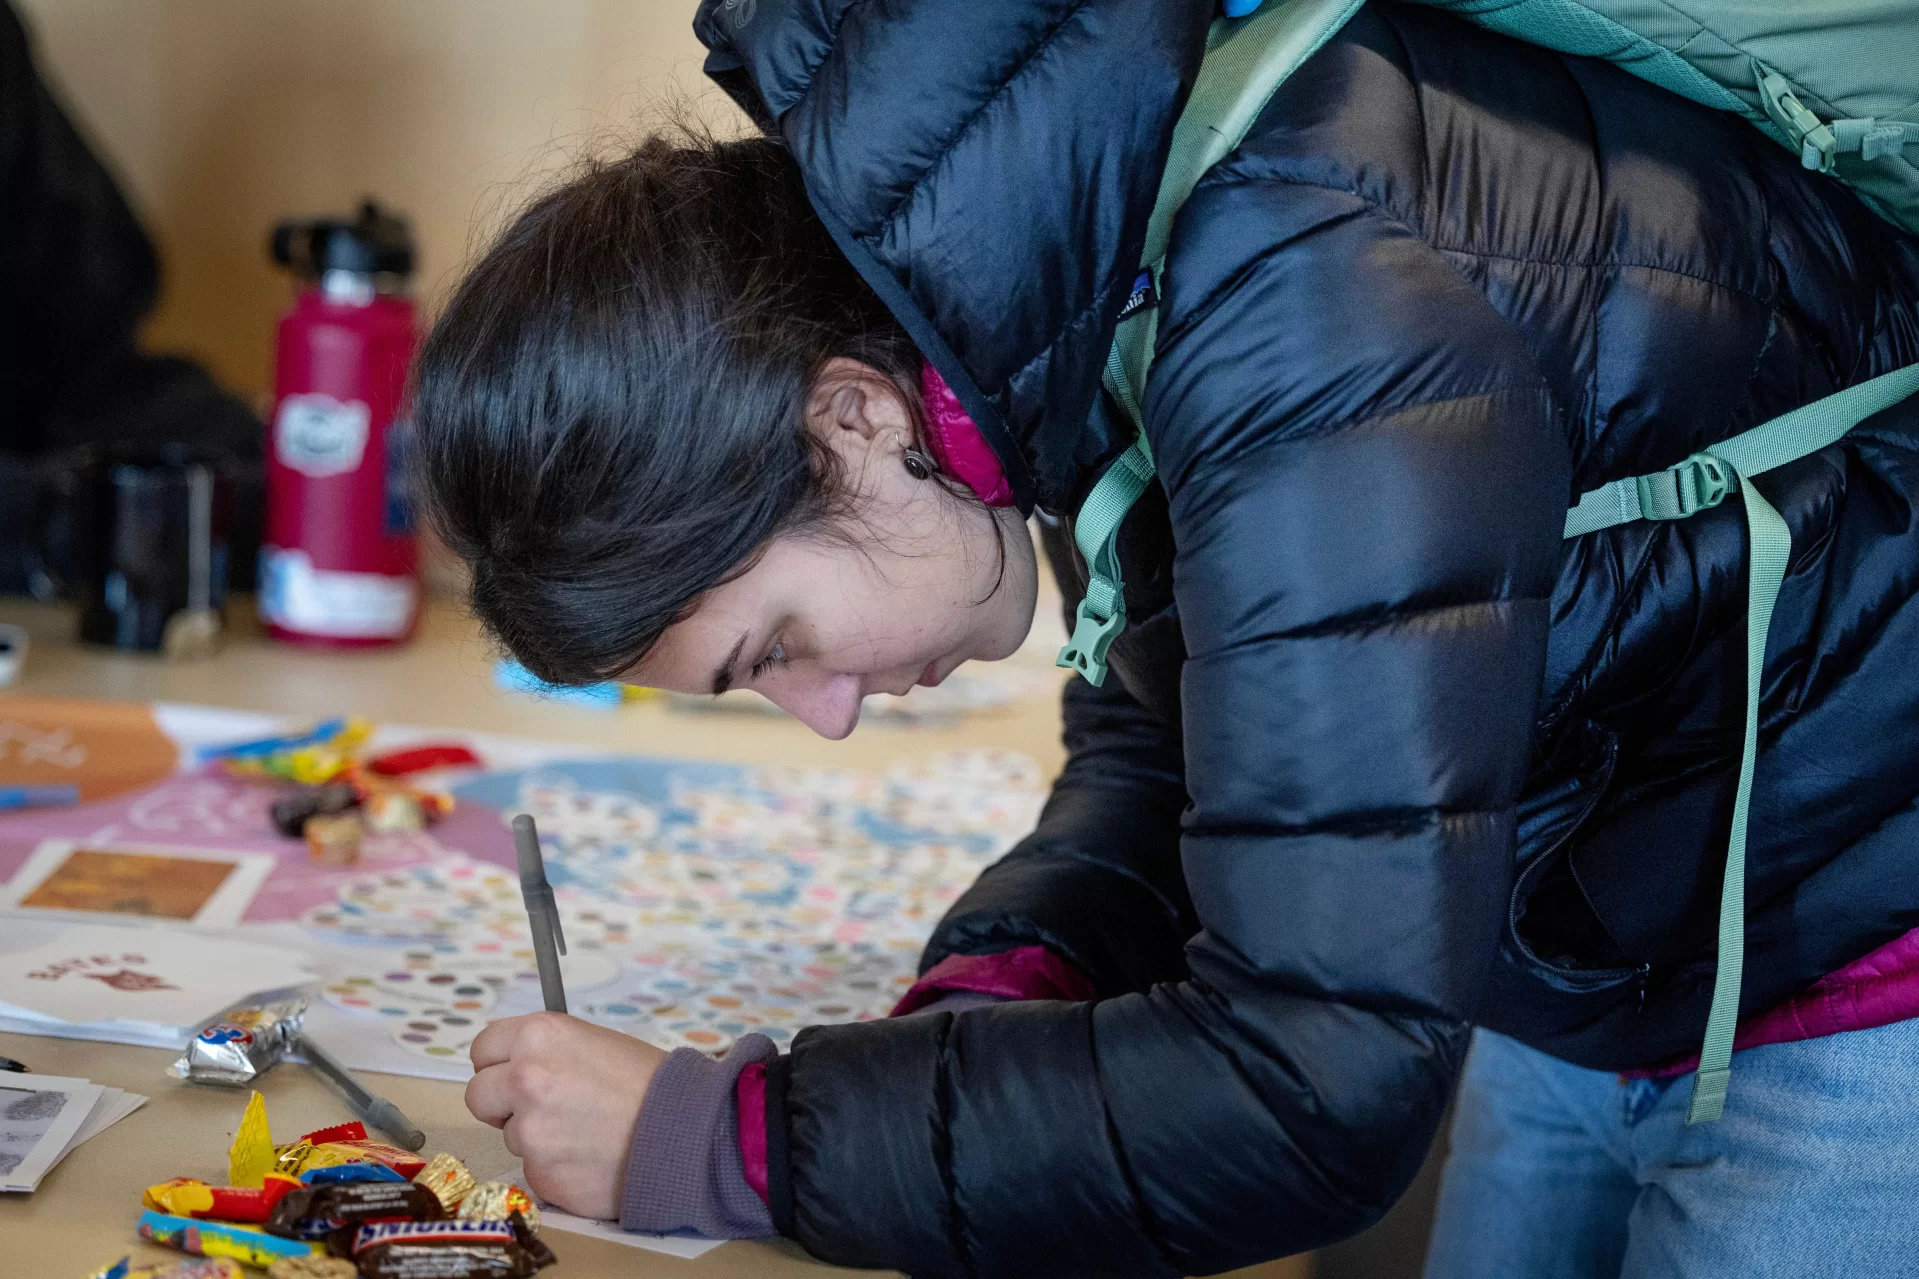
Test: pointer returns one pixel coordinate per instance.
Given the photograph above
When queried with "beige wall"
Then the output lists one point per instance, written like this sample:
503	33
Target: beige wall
223	116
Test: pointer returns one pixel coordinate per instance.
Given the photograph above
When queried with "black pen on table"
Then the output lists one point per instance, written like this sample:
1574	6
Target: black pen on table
542	914
370	1106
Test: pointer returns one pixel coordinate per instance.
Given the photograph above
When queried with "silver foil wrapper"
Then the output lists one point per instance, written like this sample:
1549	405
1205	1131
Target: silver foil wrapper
241	1044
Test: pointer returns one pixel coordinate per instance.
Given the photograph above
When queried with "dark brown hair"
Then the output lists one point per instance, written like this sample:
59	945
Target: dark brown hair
608	416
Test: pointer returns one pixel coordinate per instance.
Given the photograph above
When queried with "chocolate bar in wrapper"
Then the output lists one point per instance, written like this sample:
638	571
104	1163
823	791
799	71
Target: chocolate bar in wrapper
242	1045
315	1212
449	1250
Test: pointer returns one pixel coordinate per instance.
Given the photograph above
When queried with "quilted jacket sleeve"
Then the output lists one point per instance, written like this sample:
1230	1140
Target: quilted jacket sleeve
1367	521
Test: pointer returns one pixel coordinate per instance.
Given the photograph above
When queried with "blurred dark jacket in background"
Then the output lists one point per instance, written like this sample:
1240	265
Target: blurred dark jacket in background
77	276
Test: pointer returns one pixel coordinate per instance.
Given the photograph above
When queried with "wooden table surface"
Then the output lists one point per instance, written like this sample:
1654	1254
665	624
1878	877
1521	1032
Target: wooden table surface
82	1215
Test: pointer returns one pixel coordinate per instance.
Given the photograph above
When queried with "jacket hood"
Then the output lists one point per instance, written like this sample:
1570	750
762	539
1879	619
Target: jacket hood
989	169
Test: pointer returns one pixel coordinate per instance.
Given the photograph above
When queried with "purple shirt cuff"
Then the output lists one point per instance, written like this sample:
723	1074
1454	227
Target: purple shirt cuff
683	1170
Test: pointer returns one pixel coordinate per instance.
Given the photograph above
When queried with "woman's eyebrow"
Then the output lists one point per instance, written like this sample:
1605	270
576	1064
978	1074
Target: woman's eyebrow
723	674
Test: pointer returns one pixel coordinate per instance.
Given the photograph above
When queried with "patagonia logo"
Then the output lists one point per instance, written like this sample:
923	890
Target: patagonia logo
1144	297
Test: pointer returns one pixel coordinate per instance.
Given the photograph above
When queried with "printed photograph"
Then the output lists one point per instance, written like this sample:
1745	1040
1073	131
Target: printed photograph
25	1116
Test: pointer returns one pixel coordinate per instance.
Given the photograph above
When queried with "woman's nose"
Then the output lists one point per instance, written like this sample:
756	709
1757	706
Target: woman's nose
829	704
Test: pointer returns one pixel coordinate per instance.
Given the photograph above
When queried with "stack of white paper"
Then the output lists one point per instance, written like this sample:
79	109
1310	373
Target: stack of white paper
43	1117
149	986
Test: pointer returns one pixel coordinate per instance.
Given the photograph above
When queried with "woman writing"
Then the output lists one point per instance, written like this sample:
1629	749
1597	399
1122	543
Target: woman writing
1380	757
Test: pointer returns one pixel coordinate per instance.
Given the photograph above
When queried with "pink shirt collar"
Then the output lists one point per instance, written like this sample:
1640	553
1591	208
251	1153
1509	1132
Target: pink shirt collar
956	443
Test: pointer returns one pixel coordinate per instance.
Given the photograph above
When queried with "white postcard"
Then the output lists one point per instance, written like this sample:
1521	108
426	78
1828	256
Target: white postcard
91	973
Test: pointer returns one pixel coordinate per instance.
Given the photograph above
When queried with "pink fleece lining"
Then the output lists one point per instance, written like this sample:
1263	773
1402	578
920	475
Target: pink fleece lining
749	1097
956	443
1030	972
1877	989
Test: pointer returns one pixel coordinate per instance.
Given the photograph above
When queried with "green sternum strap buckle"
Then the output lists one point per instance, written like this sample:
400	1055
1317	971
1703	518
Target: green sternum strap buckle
1102	612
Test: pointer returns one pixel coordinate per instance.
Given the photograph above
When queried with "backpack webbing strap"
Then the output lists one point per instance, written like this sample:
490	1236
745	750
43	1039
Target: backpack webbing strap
1820	142
1102	612
1246	61
1699	483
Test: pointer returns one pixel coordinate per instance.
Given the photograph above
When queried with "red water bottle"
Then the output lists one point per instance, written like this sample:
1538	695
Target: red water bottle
339	563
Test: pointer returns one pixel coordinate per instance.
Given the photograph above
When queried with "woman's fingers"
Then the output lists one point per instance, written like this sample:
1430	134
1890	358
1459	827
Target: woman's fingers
489	1096
495	1044
565	1095
514	1132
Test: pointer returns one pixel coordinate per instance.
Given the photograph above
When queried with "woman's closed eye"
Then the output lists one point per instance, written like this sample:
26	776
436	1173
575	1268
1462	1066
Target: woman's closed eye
774	656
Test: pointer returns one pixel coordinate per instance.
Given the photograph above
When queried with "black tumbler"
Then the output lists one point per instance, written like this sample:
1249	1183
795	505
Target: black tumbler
137	534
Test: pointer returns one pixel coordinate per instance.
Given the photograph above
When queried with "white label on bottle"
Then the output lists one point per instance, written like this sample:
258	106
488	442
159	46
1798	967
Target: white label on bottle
319	436
315	601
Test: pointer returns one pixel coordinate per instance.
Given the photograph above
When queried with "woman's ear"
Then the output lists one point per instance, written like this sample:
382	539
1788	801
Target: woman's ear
854	408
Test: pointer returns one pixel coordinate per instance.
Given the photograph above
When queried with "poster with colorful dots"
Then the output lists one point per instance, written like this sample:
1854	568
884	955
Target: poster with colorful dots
699	901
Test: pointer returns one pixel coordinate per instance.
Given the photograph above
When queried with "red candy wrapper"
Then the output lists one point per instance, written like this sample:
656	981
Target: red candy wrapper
187	1197
421	758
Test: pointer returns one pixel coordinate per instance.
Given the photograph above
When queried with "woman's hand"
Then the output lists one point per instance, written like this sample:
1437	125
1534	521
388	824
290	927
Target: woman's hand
566	1093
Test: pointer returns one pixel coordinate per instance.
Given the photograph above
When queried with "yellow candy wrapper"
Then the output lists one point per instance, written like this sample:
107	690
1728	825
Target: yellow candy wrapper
291	1158
250	1157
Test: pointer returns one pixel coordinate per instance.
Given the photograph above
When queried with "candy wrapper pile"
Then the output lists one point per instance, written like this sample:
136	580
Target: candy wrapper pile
335	794
334	1204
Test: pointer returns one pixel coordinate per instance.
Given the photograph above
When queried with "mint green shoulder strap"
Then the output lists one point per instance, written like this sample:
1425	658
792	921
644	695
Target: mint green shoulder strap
1700	482
1247	59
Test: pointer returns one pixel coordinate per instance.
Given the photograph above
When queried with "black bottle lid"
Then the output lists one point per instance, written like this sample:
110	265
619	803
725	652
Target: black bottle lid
375	243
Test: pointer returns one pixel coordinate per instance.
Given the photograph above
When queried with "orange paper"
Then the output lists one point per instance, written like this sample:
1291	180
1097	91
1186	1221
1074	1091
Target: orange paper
104	748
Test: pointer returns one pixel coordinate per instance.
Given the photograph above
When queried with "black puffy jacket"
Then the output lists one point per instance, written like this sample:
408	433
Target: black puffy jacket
1447	283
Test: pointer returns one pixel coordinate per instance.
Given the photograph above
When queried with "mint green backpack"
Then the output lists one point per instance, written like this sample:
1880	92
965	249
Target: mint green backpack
1835	80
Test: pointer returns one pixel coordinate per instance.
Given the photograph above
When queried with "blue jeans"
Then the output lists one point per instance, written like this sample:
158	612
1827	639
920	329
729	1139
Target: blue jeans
1562	1173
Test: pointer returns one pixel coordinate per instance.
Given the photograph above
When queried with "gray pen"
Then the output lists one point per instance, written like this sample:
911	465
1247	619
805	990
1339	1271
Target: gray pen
542	915
370	1106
